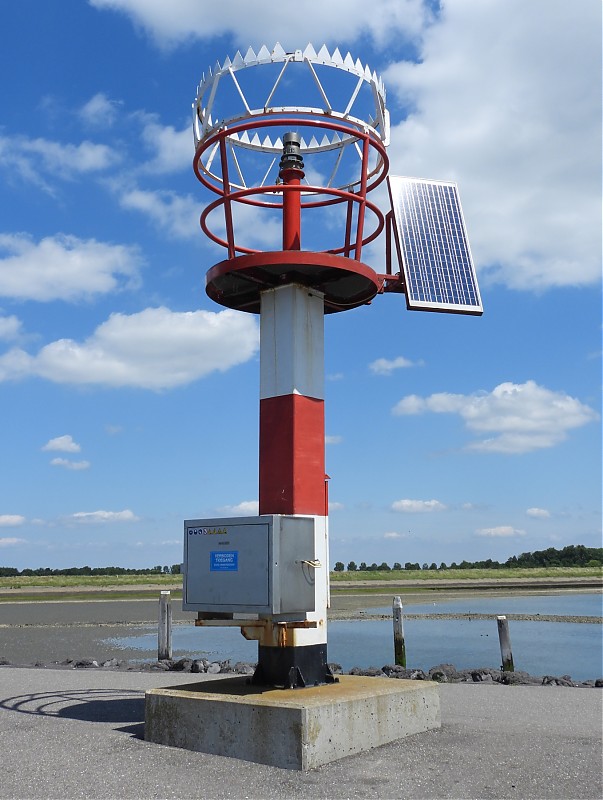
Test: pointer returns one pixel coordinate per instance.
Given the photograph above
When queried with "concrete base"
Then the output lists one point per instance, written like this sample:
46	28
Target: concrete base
290	728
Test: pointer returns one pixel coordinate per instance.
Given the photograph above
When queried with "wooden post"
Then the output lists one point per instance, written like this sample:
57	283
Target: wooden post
164	637
505	644
399	645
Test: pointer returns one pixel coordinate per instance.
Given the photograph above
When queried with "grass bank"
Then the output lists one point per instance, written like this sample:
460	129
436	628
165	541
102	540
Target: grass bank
150	582
428	575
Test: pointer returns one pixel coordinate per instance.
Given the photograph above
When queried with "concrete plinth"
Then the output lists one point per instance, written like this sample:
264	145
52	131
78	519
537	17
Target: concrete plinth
290	728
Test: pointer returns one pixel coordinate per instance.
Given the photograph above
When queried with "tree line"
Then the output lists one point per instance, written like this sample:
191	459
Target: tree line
572	556
11	572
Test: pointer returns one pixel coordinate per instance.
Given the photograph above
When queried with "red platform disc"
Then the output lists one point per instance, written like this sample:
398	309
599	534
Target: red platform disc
238	282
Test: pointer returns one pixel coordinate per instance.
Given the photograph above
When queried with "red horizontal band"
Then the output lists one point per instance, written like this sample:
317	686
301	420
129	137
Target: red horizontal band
292	455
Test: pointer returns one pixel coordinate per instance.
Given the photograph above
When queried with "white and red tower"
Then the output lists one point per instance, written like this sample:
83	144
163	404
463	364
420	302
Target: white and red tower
236	126
328	111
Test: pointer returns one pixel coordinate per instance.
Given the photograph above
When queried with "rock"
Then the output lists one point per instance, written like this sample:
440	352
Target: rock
519	678
199	665
112	662
551	680
182	665
84	663
402	673
370	672
444	673
213	668
243	668
483	675
66	663
4	662
336	669
599	683
159	666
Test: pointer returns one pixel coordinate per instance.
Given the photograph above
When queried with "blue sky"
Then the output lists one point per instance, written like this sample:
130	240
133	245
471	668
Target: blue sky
130	401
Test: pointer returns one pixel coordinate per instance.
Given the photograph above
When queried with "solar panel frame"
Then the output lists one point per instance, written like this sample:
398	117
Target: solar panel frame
433	247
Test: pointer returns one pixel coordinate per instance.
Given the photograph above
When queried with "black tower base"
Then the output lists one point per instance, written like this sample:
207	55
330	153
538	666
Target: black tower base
292	667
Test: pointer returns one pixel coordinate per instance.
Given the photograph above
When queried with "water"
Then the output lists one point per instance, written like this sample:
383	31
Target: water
569	605
540	648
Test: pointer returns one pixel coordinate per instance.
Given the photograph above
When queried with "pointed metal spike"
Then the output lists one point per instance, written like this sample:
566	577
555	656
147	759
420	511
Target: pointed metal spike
336	56
349	61
313	142
323	54
367	73
227	63
359	66
335	139
325	141
278	144
267	142
250	55
217	68
238	60
303	144
245	137
375	78
264	54
278	51
256	141
310	52
234	136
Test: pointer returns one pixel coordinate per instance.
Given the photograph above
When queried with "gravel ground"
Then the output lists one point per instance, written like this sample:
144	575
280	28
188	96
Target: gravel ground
78	734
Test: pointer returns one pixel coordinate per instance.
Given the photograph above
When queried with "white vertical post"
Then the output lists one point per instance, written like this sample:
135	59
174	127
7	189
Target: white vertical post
505	644
399	644
164	636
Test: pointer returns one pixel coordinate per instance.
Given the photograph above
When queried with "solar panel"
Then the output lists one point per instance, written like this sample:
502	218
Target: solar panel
433	247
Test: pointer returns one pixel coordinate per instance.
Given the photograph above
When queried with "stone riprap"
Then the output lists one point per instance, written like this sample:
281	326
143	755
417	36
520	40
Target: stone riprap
442	673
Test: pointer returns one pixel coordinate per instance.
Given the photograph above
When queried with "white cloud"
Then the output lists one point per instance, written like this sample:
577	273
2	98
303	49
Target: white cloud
63	444
64	267
173	150
333	439
177	215
154	349
72	465
335	506
521	417
32	158
538	513
385	366
417	506
10	541
502	531
517	124
10	328
113	430
242	509
99	111
11	520
338	20
396	535
95	517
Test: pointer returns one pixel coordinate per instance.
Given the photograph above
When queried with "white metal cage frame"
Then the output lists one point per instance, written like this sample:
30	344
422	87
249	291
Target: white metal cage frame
209	119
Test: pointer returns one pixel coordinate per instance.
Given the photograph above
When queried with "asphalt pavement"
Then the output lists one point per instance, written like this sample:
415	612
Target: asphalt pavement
79	734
